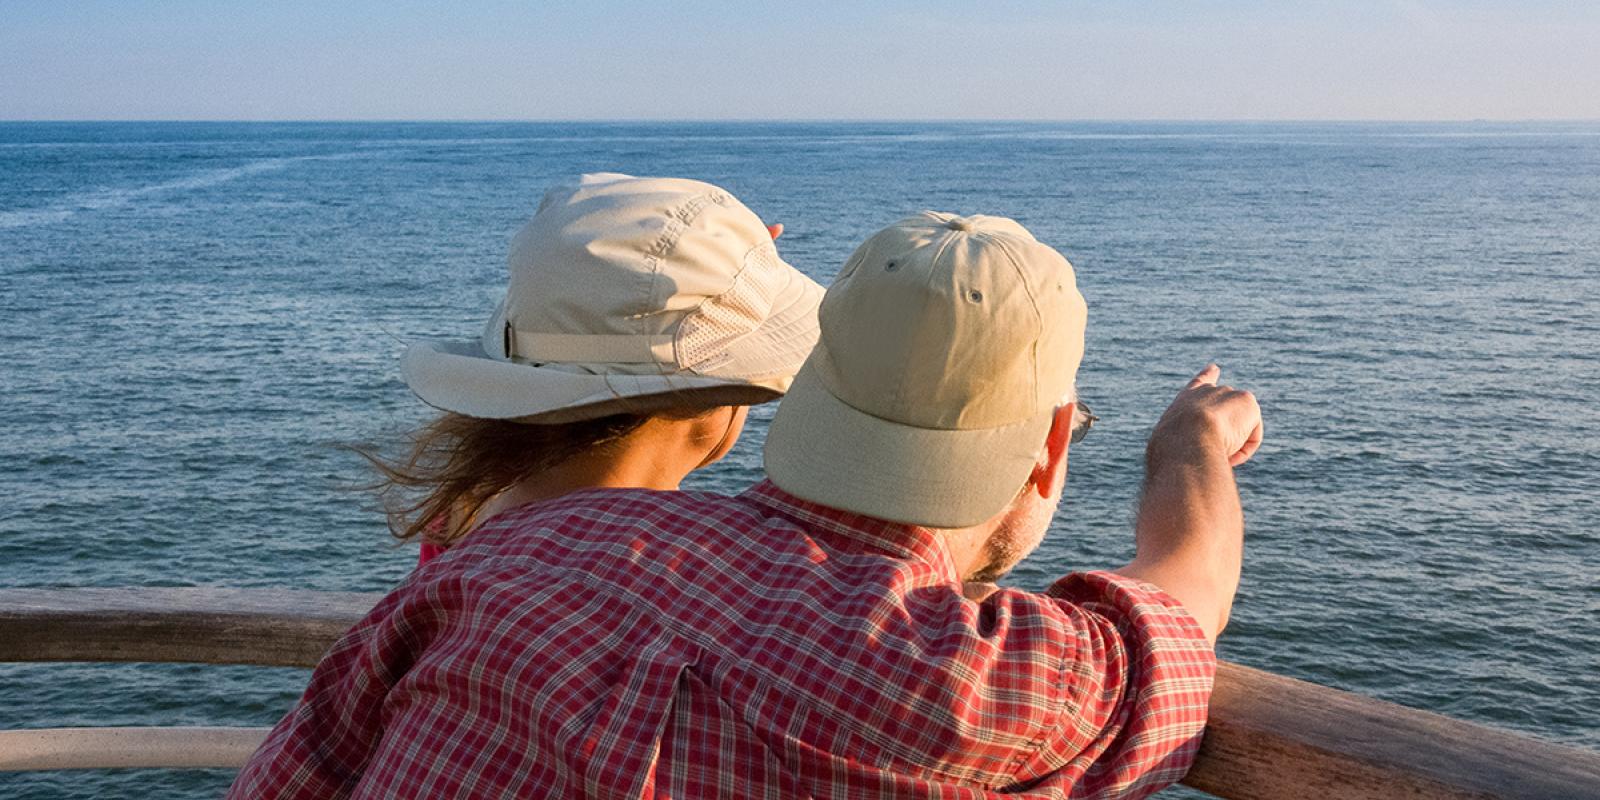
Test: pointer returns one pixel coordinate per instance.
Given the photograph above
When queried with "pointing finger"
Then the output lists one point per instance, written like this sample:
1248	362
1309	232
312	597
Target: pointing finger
1207	376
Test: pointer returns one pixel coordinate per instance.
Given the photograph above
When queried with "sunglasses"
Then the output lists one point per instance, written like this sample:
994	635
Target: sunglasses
1082	420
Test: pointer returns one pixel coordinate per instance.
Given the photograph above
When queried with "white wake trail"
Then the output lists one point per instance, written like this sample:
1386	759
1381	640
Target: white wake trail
101	199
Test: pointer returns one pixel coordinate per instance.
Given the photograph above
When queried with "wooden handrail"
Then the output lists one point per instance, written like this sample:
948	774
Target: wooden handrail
266	627
1269	737
128	748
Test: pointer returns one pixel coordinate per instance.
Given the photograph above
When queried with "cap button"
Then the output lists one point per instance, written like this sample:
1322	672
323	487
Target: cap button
959	224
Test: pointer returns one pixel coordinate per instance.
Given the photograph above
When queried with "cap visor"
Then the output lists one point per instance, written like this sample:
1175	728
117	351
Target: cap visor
822	449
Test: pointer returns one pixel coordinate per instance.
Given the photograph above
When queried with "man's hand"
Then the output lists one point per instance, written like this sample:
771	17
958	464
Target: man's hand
1190	531
1210	418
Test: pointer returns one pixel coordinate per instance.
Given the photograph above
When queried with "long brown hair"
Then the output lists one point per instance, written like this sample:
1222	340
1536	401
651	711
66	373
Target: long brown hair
456	464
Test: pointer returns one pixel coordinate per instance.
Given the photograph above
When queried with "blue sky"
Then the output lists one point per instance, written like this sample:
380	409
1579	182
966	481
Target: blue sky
603	59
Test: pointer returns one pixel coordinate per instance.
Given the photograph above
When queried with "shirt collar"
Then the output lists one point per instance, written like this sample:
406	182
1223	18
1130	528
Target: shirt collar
893	538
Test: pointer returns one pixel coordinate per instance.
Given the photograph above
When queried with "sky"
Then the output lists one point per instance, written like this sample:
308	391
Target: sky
819	59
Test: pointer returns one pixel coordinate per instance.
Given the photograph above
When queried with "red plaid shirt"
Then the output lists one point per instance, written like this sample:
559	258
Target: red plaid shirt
622	643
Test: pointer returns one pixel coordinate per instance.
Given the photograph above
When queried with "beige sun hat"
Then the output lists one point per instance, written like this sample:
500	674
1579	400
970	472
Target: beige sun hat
629	295
947	344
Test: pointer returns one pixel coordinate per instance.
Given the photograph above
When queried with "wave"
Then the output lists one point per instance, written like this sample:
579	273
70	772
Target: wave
101	199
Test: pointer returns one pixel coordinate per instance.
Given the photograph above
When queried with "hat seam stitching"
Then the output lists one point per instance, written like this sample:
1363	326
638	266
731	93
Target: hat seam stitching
679	219
899	388
1033	303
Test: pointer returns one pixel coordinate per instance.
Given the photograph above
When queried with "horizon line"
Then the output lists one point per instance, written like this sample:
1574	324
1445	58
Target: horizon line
795	120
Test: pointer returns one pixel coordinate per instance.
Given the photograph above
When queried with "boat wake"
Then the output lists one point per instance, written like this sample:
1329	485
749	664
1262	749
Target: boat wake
101	199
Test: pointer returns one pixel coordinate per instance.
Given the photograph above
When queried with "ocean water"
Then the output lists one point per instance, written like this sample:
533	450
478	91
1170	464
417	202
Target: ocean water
194	316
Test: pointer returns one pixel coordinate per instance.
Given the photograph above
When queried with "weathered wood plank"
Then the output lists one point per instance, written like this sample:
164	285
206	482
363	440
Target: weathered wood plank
128	748
1270	737
268	627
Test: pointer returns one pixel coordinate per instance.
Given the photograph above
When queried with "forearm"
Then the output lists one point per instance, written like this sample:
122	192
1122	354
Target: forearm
1190	532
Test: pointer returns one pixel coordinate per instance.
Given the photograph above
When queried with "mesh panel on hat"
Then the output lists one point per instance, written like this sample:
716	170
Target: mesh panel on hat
705	336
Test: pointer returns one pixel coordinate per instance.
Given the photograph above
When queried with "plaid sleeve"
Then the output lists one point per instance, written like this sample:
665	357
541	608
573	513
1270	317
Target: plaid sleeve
321	748
1136	678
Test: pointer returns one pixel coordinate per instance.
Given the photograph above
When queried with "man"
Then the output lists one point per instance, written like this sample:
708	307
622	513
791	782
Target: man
810	638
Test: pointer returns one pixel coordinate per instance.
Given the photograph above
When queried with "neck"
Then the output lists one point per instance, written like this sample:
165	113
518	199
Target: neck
968	546
656	456
988	550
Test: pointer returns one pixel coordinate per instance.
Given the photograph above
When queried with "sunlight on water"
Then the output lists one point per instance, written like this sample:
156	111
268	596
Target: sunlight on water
194	316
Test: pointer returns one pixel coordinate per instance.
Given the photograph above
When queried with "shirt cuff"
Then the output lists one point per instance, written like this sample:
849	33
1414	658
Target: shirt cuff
1124	598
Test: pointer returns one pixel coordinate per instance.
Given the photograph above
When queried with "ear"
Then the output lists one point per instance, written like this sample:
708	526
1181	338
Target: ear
730	431
1045	474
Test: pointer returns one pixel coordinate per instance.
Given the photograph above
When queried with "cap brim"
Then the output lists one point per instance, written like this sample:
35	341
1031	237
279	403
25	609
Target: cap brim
458	376
822	449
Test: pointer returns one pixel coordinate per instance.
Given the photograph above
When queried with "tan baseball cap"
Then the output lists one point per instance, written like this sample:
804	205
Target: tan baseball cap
947	344
629	295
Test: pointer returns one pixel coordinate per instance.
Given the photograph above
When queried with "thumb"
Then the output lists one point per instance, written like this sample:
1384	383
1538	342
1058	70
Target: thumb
1206	377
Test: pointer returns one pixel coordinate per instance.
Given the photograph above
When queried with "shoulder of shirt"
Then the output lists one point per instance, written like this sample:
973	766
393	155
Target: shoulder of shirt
606	513
629	503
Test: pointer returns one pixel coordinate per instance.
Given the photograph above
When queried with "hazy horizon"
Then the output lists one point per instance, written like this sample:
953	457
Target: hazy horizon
827	61
797	120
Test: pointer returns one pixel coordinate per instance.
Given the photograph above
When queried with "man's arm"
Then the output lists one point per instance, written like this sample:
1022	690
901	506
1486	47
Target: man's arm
1190	530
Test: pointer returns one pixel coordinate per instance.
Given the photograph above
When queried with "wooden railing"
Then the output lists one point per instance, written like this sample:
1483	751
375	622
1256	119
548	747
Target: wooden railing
1269	736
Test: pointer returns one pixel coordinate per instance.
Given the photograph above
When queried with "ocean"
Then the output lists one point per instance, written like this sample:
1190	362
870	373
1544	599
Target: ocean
194	317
